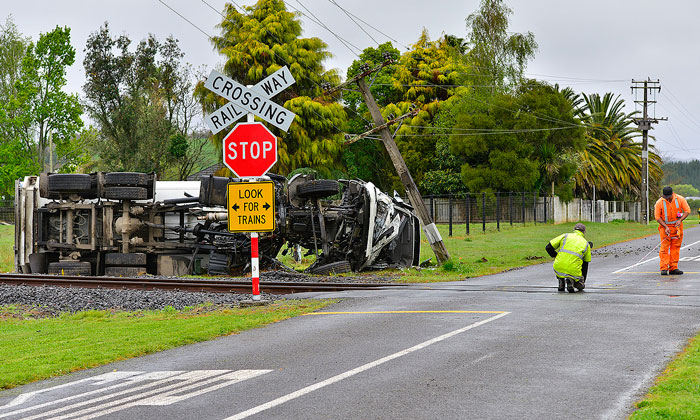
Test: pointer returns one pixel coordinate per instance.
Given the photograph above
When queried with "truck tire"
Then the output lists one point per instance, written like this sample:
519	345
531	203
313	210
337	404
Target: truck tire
70	268
331	268
126	193
125	271
69	183
136	259
126	179
318	188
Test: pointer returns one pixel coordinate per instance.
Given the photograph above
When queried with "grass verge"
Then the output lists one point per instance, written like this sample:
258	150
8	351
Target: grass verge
7	253
676	394
514	246
33	349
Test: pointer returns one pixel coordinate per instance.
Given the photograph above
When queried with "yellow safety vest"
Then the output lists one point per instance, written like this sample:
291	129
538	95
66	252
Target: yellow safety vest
572	251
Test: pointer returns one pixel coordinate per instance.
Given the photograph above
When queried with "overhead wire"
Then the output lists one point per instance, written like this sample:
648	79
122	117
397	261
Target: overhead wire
354	21
323	25
187	20
369	25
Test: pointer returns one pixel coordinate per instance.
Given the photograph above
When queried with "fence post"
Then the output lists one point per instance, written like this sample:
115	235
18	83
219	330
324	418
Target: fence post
432	209
469	213
510	207
449	212
545	208
498	212
483	212
522	207
534	208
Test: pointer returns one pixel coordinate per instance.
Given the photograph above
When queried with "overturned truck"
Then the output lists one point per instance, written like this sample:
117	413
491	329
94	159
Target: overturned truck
129	223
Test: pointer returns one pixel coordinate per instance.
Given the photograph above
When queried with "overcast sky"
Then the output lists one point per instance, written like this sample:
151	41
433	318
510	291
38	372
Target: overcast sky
594	46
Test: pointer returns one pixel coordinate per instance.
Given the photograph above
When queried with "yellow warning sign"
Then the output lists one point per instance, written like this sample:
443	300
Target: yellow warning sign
251	206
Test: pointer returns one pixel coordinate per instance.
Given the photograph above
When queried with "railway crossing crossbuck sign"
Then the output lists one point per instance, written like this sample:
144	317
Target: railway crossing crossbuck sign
244	100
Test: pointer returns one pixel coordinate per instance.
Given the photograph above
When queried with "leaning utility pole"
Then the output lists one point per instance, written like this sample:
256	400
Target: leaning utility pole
644	124
382	127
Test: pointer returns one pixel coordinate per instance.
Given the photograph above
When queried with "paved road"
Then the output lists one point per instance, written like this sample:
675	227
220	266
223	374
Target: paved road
494	347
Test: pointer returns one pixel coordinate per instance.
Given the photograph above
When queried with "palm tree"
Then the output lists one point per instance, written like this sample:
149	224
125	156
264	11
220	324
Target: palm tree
612	159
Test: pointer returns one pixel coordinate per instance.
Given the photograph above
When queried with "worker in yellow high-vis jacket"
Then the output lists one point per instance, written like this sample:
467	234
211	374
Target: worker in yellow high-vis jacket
572	253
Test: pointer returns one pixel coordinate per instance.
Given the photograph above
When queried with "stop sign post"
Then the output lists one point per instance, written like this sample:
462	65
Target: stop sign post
250	150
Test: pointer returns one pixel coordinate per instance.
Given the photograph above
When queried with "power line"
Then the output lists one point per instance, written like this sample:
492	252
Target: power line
355	22
187	20
323	25
487	132
363	21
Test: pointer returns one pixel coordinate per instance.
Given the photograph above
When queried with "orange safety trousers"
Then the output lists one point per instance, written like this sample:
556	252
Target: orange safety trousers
670	250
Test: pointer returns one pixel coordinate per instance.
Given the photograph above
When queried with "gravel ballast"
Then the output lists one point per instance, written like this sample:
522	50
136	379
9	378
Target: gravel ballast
55	300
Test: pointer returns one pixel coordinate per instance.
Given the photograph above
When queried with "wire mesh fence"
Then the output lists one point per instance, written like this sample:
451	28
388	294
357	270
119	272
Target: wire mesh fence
7	211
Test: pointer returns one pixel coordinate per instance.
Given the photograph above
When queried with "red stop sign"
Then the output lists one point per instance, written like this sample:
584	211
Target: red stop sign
250	149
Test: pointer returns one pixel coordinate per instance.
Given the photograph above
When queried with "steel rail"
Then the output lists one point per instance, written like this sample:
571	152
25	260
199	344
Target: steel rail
193	285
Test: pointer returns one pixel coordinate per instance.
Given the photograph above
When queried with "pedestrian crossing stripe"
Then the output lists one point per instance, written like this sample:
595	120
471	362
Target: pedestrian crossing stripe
117	391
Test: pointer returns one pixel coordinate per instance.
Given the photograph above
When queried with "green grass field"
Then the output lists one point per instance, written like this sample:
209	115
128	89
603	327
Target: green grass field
33	349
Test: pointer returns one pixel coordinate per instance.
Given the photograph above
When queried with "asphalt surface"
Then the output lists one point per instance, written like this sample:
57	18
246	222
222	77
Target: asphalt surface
495	347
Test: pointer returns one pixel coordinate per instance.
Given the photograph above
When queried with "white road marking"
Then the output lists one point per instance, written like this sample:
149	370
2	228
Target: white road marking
96	380
139	376
166	398
650	259
169	378
340	377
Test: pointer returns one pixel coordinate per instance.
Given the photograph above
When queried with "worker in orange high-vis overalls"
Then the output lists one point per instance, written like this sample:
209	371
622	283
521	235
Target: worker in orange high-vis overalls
670	211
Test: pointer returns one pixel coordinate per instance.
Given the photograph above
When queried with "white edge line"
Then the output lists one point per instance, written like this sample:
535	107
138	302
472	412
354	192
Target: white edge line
340	377
651	259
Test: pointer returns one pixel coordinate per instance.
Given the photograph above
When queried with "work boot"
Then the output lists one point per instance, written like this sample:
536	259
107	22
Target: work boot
579	285
561	284
664	272
675	272
570	286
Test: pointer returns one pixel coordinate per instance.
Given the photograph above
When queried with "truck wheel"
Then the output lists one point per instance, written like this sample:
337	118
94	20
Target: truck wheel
126	193
318	188
127	179
332	268
70	268
69	183
135	259
125	271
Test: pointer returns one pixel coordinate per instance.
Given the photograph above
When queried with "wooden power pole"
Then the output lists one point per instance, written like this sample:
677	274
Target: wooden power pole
414	195
644	124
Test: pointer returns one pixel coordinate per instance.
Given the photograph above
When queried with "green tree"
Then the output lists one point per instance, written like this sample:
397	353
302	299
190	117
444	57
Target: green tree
13	47
499	56
49	113
686	190
142	102
258	43
681	173
16	151
517	142
424	78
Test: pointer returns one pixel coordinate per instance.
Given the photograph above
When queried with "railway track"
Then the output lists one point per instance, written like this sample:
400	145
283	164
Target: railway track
192	285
